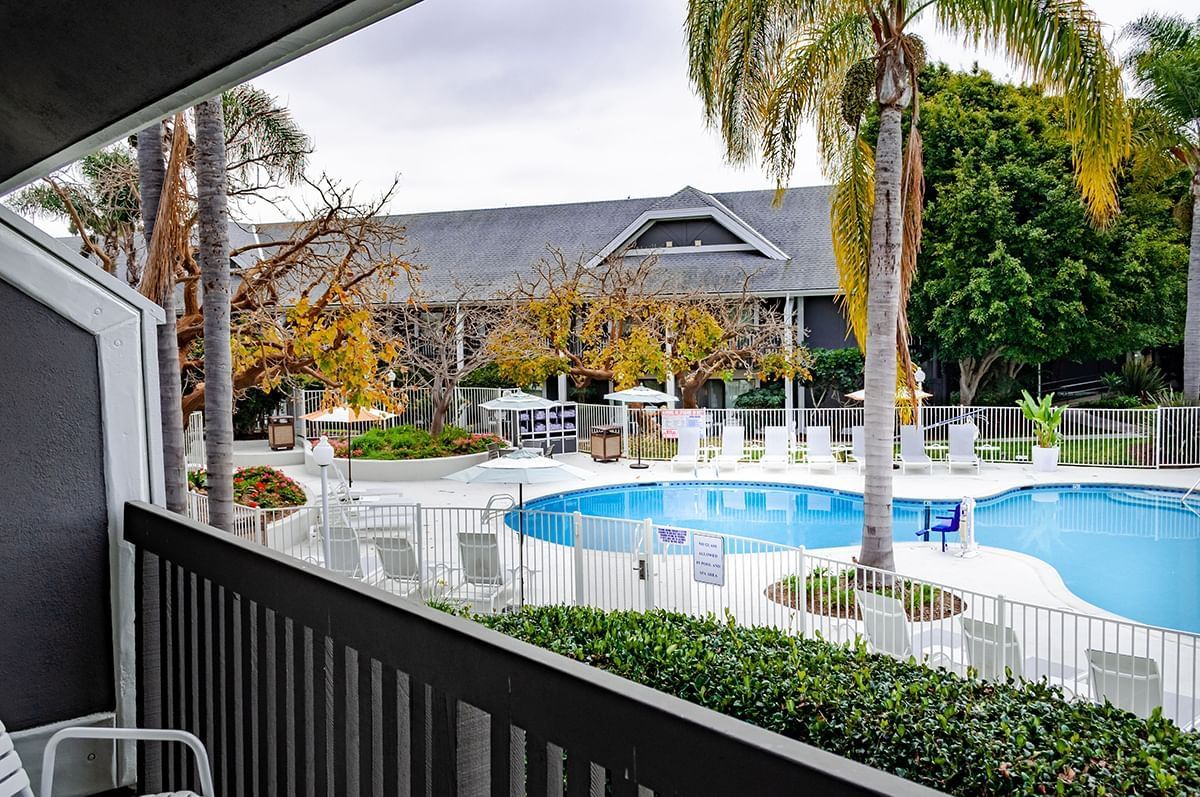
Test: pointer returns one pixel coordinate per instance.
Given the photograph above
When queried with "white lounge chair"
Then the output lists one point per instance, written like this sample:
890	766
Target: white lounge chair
858	447
912	449
777	448
733	446
962	447
820	449
886	628
14	780
688	453
1127	681
486	586
404	574
345	551
992	649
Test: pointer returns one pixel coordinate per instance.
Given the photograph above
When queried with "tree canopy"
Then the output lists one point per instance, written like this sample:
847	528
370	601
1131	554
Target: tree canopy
1012	272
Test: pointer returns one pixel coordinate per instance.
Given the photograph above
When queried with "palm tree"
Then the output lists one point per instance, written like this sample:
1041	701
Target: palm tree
151	175
762	67
213	234
1165	63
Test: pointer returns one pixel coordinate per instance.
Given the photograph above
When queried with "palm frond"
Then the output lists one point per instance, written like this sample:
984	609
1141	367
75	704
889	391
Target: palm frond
1164	61
850	221
1060	44
261	133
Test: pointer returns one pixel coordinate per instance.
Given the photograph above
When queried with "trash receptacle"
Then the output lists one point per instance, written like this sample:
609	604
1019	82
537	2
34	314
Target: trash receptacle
606	443
281	433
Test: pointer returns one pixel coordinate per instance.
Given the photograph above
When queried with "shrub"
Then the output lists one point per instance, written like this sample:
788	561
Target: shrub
761	398
409	442
835	372
257	486
963	736
1139	378
1115	403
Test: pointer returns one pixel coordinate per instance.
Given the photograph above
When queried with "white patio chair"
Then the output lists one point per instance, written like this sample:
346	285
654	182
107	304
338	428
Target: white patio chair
733	446
858	447
14	780
688	453
886	628
486	586
1127	681
992	648
962	447
345	551
820	449
777	448
912	449
404	574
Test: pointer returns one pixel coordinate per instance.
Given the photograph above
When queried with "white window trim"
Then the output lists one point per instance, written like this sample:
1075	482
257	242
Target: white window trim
752	238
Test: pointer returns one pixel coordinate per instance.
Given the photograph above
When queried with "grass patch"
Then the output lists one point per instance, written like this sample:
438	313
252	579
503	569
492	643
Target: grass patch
832	595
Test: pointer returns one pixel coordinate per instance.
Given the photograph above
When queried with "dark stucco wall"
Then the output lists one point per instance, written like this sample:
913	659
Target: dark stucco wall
55	622
825	324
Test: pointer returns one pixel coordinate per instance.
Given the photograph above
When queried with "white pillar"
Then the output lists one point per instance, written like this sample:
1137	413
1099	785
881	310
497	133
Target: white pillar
789	388
459	335
562	388
798	309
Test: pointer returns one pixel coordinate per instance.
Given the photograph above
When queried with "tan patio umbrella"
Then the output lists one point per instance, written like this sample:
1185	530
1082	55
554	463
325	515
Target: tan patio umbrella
350	417
901	395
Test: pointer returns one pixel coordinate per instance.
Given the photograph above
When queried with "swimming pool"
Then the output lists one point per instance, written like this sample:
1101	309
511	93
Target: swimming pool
1134	551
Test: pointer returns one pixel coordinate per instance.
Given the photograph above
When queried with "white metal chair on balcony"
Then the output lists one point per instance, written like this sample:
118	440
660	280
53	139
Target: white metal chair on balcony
858	447
345	552
688	453
820	449
733	446
1127	681
403	572
962	447
777	447
887	631
486	586
14	780
992	649
912	449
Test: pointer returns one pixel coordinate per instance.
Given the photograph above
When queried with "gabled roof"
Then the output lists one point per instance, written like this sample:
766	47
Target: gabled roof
480	252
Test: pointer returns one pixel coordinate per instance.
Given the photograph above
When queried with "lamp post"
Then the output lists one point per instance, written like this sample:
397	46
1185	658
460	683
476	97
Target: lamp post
323	456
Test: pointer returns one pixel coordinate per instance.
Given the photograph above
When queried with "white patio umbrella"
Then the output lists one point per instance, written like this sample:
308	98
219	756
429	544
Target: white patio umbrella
901	395
520	467
514	400
351	418
640	395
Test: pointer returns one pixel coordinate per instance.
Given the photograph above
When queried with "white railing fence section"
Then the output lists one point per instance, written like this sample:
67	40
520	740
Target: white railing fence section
194	452
246	519
417	410
478	557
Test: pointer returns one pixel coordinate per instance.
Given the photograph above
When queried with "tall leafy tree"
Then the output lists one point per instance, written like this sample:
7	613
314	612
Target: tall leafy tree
213	235
762	67
1011	272
1165	63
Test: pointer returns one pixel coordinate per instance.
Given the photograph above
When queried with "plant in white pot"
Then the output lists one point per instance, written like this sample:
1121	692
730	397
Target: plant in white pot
1046	419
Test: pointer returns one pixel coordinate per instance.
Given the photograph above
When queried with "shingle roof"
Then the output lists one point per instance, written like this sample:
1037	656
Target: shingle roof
480	252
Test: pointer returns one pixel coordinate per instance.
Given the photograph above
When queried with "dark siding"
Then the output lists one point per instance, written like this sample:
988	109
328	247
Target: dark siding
685	232
825	324
55	622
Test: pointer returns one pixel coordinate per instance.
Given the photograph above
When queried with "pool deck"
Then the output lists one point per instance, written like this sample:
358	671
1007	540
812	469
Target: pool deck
994	571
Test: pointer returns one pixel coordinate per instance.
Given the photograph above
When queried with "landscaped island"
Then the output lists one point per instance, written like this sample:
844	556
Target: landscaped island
257	486
960	735
409	442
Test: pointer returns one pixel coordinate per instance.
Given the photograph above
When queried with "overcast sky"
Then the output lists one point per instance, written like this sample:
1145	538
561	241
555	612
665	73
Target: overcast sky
481	103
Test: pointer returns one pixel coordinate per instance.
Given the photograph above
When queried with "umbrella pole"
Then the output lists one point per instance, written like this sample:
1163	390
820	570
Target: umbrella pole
521	545
639	465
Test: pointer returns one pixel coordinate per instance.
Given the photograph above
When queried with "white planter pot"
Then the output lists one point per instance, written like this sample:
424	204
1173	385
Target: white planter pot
1045	459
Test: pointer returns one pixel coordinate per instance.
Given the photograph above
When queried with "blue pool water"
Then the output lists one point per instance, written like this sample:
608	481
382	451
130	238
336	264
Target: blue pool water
1134	551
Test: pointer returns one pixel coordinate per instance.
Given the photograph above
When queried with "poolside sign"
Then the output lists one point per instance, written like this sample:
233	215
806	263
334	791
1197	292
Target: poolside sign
708	558
671	421
671	536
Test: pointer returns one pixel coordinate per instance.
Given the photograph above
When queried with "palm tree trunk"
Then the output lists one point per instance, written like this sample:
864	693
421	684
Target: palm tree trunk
212	207
879	371
1191	326
150	181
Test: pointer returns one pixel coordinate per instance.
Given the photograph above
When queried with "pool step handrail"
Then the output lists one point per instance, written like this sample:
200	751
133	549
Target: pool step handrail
1188	494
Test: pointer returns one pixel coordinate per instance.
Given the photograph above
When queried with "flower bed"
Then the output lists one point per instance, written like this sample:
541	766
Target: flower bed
257	486
409	442
833	596
963	736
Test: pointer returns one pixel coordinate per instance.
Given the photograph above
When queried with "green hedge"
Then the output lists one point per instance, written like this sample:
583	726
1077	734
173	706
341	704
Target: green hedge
959	735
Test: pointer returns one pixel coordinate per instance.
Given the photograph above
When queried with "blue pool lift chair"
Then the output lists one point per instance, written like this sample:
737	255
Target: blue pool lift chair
948	524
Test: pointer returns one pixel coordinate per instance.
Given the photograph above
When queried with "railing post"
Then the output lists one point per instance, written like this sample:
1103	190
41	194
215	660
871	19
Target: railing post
1158	417
803	597
648	544
1002	623
418	534
577	537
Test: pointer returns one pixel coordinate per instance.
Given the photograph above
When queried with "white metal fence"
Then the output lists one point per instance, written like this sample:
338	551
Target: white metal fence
477	557
194	452
247	521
